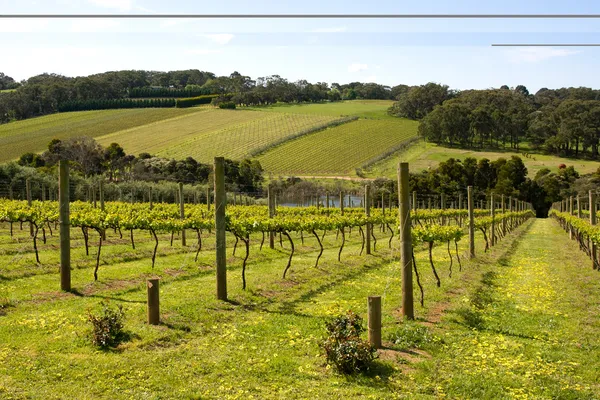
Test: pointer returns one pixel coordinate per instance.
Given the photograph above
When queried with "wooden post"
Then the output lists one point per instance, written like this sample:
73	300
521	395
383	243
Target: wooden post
406	252
327	199
28	189
374	321
471	222
493	215
220	204
342	203
182	212
102	195
414	200
368	214
593	248
578	207
460	201
150	197
572	212
271	202
153	302
208	198
65	226
503	219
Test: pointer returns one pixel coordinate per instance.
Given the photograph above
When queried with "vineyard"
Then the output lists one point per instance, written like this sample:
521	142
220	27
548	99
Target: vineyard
288	270
33	135
341	149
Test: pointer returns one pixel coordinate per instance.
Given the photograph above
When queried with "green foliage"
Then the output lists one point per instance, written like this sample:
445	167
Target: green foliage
419	101
145	92
194	101
227	105
107	327
412	336
102	104
344	349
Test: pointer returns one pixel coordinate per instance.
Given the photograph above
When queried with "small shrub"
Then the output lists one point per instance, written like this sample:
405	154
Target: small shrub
228	105
344	349
107	328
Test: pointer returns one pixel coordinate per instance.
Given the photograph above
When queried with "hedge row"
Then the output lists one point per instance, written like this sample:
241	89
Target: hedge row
101	104
194	101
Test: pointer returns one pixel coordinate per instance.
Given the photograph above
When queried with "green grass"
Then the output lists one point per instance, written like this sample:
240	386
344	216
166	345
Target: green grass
361	108
338	150
263	343
33	135
529	329
423	156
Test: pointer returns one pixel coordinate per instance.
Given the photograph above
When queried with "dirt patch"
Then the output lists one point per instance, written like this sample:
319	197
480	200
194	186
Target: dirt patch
403	359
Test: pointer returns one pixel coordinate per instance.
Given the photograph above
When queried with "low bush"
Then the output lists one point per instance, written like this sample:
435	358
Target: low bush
228	105
107	328
344	348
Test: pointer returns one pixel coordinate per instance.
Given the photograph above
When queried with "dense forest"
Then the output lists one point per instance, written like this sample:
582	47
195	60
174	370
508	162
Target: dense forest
50	93
562	121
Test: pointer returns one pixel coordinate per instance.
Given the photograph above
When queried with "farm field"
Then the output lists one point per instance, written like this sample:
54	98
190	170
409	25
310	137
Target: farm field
423	156
338	150
33	135
360	108
264	342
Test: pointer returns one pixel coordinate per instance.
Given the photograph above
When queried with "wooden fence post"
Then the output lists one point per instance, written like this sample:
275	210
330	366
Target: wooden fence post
593	248
220	204
368	214
471	222
342	203
28	189
182	212
578	207
414	200
65	226
153	302
493	215
271	201
102	194
374	321
406	252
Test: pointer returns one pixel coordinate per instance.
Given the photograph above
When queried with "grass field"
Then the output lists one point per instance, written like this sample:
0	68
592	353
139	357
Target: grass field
33	135
338	150
510	324
422	156
360	108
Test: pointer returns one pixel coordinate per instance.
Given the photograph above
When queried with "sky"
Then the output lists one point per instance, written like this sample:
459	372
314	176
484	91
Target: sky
455	52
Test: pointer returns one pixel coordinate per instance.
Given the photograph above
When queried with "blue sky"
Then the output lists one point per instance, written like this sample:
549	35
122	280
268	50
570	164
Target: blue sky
390	52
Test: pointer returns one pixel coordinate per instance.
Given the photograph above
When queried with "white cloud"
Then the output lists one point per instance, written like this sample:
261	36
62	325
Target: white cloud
219	38
334	29
357	67
537	54
203	52
23	25
122	5
93	25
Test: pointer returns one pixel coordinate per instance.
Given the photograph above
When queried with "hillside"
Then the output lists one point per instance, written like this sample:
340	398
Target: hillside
422	156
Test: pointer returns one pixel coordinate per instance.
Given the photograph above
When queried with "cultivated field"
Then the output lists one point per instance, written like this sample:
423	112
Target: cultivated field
338	150
33	135
423	156
231	134
360	108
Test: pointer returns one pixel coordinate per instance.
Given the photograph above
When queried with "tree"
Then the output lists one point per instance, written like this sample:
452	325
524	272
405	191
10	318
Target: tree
420	100
113	157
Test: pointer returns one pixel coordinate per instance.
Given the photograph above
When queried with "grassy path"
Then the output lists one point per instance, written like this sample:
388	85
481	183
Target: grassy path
528	329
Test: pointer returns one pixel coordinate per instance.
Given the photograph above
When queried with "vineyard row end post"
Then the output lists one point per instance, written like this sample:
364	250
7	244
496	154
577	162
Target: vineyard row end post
406	253
471	222
220	204
65	225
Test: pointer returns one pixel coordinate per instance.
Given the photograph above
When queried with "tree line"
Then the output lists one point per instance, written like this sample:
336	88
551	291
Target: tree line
563	121
50	93
90	160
